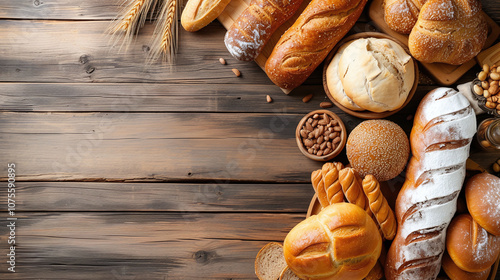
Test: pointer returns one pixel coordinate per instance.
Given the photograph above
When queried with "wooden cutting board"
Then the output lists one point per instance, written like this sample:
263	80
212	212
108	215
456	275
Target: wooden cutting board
445	74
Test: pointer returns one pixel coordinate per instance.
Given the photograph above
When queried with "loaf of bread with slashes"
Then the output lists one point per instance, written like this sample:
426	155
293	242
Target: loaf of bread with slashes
443	128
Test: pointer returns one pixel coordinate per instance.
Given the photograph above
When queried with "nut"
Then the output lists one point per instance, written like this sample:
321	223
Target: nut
326	104
222	61
269	99
478	90
482	76
318	135
486	68
236	72
495	76
490	105
496	167
307	98
485	84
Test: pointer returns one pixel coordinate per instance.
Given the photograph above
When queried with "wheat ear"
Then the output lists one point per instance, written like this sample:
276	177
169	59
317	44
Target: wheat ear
164	44
130	20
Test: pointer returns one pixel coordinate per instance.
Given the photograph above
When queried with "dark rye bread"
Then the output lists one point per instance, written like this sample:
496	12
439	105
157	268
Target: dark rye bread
270	262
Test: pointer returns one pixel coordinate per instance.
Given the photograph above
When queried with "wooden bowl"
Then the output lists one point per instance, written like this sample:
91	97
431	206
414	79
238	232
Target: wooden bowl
332	154
367	114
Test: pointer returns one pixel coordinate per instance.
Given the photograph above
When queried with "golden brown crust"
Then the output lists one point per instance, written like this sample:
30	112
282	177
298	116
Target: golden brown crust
247	36
199	13
401	15
308	41
448	31
341	242
351	186
470	246
455	273
319	187
332	185
380	208
482	195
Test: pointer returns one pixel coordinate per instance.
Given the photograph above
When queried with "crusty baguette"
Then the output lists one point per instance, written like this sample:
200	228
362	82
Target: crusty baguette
448	31
247	36
401	15
308	41
381	210
443	128
199	13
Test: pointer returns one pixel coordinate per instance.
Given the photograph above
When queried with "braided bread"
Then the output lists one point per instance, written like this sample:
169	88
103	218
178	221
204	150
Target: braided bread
443	127
351	185
381	210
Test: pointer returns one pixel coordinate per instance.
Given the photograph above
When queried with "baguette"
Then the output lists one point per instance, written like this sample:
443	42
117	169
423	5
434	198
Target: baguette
308	41
247	36
440	139
199	13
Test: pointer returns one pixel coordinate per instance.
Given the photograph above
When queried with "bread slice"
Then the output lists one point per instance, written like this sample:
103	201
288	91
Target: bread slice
287	274
270	261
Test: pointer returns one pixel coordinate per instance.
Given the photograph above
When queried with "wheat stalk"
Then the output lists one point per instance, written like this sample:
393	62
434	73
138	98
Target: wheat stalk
130	20
165	36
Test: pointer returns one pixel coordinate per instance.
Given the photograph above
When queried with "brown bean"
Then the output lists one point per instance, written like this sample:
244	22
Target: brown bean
319	153
336	140
314	123
333	135
303	133
320	140
315	116
326	104
327	151
322	146
309	143
309	126
236	72
222	61
310	135
329	144
337	128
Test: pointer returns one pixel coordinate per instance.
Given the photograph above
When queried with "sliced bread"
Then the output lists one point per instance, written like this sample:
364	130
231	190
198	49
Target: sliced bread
270	262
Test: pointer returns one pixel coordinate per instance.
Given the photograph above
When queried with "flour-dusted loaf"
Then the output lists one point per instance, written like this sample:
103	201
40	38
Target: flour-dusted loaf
249	33
443	128
308	41
401	15
448	31
199	13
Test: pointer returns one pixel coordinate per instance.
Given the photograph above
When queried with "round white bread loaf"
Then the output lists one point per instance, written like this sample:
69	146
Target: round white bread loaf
377	74
341	242
335	85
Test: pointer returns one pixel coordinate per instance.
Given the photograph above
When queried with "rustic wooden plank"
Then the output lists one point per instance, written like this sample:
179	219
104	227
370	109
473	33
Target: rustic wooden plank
114	197
147	246
154	97
80	51
154	146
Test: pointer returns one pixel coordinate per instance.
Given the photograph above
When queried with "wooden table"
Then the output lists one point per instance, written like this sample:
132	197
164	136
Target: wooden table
126	171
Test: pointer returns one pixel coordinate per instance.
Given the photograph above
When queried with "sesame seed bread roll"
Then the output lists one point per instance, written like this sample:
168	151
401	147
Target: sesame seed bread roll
378	147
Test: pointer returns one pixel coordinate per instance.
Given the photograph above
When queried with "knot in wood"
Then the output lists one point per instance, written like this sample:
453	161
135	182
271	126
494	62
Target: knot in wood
37	3
84	59
201	256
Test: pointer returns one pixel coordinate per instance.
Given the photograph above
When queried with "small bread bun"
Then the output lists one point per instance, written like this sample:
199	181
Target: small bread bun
377	74
482	194
455	273
471	247
340	242
378	147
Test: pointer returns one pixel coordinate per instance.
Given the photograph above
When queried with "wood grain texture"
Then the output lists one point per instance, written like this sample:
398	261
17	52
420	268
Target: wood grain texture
154	97
159	197
141	245
156	146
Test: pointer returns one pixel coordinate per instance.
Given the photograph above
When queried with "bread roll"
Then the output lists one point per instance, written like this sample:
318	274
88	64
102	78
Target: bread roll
401	15
455	273
334	83
443	128
482	194
448	31
378	147
326	183
380	208
340	242
377	74
247	36
309	40
470	246
199	13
